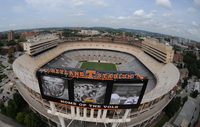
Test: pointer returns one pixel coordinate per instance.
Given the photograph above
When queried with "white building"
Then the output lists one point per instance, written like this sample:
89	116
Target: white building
40	43
89	32
160	51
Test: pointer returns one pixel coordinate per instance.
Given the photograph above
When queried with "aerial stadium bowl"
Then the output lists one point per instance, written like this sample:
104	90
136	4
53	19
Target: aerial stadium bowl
57	98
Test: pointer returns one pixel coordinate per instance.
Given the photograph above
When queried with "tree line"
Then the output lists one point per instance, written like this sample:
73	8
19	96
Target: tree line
18	109
192	63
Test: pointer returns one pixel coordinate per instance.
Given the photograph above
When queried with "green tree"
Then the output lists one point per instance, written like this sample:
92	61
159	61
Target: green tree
70	33
20	117
28	120
17	36
4	36
184	84
3	109
173	107
10	43
1	44
192	64
18	47
20	102
32	120
11	109
189	58
10	56
10	60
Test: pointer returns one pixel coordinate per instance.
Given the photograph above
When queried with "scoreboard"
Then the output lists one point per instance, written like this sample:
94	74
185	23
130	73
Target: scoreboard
91	88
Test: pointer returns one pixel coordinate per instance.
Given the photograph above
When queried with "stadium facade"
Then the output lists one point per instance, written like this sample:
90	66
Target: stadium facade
72	108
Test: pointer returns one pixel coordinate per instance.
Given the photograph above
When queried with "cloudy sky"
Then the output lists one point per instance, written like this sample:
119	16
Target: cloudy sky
173	17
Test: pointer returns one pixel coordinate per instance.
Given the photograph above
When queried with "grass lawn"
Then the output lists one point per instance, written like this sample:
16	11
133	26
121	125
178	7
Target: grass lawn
98	66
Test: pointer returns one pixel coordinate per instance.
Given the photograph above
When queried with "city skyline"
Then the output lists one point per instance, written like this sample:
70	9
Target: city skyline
177	18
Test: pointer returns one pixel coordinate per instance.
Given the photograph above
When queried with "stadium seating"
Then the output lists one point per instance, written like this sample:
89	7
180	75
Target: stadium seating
123	61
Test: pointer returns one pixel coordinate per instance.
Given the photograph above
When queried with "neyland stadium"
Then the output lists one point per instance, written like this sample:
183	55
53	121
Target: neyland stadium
87	83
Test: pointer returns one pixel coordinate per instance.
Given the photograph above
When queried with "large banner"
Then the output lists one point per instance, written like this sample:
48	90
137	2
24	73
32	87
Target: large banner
93	89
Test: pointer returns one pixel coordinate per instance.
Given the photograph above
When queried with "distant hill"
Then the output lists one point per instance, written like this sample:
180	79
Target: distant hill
107	29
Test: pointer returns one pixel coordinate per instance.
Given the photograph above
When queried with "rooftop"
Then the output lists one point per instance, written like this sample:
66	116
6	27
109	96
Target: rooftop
189	113
41	38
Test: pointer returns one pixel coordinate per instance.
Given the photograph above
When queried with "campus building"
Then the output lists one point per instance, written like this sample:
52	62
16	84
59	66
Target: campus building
10	35
160	51
40	43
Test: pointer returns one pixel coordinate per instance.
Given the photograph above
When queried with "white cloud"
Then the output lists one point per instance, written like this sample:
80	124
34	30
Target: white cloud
79	13
165	26
168	14
164	3
197	2
3	18
195	24
77	2
12	26
93	2
18	9
46	4
56	4
170	26
193	31
139	12
191	10
98	2
121	17
150	15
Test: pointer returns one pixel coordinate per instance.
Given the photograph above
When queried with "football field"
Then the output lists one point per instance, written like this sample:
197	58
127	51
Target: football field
98	66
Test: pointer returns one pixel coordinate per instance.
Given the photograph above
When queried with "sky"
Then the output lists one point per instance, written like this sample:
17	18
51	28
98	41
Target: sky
172	17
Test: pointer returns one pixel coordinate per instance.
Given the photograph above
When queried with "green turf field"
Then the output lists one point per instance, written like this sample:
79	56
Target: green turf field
98	66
